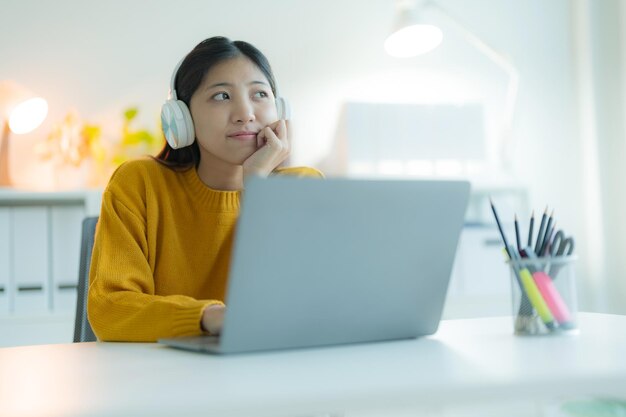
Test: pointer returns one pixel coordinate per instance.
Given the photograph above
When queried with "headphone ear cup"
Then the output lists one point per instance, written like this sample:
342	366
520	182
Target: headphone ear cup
283	109
177	124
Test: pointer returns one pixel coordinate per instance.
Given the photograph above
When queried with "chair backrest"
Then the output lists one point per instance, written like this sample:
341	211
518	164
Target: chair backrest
82	328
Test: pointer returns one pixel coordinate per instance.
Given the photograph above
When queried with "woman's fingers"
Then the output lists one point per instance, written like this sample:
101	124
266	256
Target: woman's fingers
281	130
260	138
283	134
276	148
272	140
288	129
277	129
288	132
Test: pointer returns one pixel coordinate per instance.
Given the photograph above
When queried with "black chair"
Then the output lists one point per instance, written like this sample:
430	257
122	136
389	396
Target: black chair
82	328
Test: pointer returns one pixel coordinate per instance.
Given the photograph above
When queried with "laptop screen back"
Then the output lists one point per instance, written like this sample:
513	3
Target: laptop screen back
322	262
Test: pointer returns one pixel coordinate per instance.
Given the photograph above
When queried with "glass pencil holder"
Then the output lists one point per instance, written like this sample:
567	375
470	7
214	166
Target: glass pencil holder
544	295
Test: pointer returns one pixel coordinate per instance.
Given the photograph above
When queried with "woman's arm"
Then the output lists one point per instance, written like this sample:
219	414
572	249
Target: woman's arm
122	305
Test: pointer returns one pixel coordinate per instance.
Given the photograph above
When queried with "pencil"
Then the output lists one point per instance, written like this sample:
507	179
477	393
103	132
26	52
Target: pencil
530	229
547	241
541	229
525	308
517	238
504	240
544	237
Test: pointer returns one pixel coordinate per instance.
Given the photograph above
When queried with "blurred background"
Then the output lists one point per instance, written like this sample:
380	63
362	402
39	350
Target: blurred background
523	98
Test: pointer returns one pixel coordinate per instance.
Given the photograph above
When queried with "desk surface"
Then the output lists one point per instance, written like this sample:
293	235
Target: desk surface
467	360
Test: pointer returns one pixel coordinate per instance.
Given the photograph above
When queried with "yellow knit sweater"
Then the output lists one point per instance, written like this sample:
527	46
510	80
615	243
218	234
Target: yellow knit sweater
162	251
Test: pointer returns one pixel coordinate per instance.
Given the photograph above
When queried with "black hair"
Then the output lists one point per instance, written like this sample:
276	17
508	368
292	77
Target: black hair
190	75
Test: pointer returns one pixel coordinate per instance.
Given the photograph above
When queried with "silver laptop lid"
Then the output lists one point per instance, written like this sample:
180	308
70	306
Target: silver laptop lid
321	262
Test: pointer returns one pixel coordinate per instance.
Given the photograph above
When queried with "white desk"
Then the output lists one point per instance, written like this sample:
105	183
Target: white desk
467	361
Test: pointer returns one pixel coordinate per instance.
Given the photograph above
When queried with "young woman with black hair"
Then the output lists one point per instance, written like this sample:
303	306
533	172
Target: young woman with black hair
164	238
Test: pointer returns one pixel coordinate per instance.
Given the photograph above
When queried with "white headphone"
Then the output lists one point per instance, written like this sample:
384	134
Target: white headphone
176	121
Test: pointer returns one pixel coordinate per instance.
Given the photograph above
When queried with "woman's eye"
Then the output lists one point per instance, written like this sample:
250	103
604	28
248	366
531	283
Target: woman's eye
220	96
260	94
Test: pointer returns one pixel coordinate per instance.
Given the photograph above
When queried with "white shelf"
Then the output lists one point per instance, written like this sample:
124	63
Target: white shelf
40	235
90	198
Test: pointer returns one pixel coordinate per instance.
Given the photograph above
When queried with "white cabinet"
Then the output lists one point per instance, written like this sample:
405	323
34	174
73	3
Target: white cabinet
30	259
5	255
480	285
40	236
480	281
65	231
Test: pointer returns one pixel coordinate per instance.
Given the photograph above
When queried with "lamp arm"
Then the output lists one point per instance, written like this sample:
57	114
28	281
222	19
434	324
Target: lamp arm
497	57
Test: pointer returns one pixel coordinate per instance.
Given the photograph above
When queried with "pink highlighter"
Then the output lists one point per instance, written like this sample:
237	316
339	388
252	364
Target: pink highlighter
549	293
552	297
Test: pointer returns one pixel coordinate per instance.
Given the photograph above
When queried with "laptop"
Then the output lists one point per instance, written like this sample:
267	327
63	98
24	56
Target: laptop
337	261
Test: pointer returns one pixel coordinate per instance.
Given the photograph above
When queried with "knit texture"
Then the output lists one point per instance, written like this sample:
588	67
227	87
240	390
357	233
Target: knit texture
162	251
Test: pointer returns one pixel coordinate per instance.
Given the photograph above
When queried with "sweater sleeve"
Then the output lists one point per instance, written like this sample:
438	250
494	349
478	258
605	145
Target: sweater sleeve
122	305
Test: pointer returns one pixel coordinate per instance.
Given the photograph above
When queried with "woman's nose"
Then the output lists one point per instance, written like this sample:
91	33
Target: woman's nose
243	112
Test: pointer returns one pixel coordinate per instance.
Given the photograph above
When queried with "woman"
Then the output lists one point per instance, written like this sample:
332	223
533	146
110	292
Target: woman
163	245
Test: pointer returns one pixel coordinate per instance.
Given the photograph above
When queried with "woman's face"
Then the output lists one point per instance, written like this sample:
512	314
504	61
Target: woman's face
229	108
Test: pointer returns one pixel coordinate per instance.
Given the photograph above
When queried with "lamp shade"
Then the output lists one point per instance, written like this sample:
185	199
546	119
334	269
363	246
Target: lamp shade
410	37
22	110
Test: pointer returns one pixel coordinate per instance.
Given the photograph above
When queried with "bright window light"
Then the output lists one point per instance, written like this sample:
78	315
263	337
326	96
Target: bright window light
420	167
360	168
413	40
448	167
391	167
28	115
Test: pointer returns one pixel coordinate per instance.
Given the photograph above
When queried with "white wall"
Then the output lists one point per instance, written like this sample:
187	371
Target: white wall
608	146
100	57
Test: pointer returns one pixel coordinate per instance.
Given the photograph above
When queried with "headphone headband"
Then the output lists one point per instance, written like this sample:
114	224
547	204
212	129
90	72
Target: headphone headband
172	93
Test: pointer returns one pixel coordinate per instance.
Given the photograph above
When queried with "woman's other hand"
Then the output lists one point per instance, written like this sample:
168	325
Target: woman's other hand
213	319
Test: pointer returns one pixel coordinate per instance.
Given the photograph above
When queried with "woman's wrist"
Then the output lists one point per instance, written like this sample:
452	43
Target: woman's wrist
255	172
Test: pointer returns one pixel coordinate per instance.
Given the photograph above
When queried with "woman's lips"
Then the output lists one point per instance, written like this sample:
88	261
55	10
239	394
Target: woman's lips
243	135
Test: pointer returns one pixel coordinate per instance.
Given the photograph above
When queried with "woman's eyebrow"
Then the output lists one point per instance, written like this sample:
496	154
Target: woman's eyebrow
259	82
225	84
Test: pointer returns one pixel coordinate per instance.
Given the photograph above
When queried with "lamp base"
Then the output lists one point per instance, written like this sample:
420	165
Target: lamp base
5	177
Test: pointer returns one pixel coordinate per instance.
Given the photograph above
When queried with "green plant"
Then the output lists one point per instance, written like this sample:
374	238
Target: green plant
136	142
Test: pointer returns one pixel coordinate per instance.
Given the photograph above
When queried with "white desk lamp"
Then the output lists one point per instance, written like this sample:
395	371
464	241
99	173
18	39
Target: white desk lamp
20	112
412	36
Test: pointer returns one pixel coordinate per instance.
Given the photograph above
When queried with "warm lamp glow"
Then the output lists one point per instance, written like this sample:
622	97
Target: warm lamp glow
20	112
28	115
413	40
